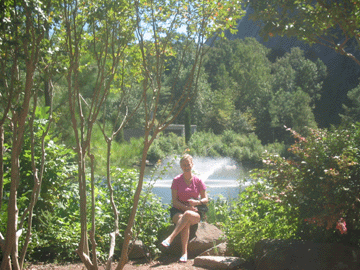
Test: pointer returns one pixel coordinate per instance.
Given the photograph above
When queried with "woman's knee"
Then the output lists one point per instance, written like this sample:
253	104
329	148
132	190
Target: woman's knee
177	217
192	216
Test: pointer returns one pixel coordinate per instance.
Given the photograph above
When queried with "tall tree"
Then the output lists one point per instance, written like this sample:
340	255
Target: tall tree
292	109
158	23
352	109
297	84
302	72
22	36
243	69
95	36
334	24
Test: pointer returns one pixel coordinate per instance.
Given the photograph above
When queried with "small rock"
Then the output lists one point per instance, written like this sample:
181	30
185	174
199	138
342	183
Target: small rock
137	250
218	262
219	250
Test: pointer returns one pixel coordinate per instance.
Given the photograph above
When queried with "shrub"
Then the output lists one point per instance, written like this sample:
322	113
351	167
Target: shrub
124	154
150	219
219	211
253	217
240	147
57	236
202	144
322	181
166	145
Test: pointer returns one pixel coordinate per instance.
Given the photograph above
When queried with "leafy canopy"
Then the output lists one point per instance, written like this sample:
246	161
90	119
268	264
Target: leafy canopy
330	23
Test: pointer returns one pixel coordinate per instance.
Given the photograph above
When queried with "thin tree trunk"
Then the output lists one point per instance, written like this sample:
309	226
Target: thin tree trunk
114	208
128	231
1	164
38	177
19	119
93	225
10	240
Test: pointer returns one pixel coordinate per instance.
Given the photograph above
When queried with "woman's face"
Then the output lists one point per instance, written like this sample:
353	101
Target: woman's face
186	165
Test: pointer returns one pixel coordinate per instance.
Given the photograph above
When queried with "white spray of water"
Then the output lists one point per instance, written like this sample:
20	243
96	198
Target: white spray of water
220	175
215	172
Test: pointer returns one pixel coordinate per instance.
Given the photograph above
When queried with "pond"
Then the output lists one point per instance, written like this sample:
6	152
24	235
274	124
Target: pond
221	177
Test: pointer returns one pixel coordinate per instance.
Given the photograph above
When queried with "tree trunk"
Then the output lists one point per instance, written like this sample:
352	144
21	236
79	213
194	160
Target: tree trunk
128	231
1	164
18	122
13	211
187	125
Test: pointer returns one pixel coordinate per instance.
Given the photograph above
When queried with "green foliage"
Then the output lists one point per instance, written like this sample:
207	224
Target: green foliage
297	84
219	211
124	154
59	166
240	147
253	217
311	21
150	219
251	93
234	67
321	180
56	235
352	110
166	145
293	71
292	110
221	112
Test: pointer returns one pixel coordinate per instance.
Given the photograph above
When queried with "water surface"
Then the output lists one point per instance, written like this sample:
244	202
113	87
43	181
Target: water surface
221	177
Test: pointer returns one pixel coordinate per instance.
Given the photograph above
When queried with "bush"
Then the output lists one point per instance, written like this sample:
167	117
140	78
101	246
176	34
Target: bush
240	147
57	236
322	181
58	171
166	145
253	217
219	211
202	144
124	154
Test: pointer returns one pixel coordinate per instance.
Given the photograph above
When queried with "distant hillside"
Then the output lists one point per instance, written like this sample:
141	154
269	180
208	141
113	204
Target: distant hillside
343	73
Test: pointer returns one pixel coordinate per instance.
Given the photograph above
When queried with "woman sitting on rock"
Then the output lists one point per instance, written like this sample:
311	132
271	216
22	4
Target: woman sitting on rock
185	191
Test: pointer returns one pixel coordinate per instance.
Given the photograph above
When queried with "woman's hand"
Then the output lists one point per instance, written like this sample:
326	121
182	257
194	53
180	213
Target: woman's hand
193	202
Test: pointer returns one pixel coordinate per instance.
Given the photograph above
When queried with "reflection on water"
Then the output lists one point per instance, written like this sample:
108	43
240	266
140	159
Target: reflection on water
220	175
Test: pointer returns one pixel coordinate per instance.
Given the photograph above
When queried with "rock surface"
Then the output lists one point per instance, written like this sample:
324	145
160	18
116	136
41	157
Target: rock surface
219	250
203	236
137	250
296	254
218	262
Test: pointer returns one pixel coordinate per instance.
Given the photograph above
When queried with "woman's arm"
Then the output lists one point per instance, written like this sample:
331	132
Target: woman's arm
177	203
204	197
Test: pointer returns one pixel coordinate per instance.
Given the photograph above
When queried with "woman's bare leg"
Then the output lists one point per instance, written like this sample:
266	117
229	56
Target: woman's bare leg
185	234
182	220
183	223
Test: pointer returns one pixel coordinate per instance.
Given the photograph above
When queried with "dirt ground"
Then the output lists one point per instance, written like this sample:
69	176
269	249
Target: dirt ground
169	263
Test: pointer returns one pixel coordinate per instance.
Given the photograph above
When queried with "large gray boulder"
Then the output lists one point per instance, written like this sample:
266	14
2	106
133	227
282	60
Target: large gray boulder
203	236
296	254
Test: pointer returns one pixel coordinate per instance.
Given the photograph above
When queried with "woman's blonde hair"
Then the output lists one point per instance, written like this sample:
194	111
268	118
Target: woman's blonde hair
186	157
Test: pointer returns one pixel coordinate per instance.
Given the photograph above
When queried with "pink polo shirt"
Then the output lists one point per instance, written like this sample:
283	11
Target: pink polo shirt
186	192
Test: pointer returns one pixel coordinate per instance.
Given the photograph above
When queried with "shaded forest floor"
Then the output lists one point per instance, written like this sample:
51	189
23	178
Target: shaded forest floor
168	262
